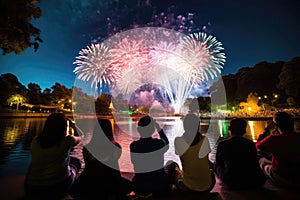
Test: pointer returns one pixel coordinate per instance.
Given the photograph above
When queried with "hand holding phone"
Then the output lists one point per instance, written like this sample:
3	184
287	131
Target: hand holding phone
271	126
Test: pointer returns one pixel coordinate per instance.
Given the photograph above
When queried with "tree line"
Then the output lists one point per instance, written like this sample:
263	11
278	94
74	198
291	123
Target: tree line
266	80
269	80
33	94
14	94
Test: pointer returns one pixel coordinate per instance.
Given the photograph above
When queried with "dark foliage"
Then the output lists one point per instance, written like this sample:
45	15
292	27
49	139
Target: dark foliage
264	78
16	31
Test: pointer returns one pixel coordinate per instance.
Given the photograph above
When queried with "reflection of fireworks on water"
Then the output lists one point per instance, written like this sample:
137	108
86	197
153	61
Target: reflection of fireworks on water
178	64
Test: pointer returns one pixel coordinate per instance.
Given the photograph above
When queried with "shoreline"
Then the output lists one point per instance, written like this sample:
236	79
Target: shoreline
70	115
40	115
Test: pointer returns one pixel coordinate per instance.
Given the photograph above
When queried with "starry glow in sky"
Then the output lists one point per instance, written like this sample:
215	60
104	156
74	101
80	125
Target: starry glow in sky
251	31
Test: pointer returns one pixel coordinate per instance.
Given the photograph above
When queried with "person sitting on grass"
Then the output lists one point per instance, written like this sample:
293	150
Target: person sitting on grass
283	144
151	177
101	177
52	171
193	149
236	159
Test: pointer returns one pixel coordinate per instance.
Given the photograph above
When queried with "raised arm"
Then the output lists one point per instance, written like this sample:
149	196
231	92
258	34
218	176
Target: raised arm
161	133
75	139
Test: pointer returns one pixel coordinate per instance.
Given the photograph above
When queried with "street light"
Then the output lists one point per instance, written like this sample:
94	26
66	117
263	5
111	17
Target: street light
275	98
263	102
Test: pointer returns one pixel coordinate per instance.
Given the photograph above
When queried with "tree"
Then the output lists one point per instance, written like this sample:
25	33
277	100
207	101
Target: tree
82	103
290	78
46	97
16	99
34	94
218	93
120	103
16	32
102	103
291	101
60	95
261	79
230	84
10	85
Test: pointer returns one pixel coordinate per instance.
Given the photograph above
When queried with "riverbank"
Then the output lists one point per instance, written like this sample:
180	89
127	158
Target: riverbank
12	189
23	115
42	115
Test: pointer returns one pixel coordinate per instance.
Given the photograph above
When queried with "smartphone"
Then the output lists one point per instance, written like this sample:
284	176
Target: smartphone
70	127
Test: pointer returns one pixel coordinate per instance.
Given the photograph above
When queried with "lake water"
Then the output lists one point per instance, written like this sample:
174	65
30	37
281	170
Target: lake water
16	135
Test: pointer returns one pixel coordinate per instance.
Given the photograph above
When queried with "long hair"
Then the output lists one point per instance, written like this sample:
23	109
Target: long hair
54	130
106	127
191	127
107	130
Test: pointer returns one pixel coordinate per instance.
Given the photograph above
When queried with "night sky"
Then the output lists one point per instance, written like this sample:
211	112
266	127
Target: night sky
251	31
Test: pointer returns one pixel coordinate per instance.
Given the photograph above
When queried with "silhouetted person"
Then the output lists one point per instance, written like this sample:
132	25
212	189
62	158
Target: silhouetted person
101	178
284	148
236	159
193	149
147	156
51	173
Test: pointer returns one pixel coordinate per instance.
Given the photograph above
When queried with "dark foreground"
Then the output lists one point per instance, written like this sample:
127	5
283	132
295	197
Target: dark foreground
11	188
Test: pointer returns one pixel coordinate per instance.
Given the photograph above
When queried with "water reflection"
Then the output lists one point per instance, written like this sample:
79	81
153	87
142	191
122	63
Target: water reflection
126	132
15	139
17	134
223	128
254	129
251	126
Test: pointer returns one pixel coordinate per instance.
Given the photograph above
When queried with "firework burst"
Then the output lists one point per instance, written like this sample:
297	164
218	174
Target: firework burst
205	56
93	63
152	55
131	81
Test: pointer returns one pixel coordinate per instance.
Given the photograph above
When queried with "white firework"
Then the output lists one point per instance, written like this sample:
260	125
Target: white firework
93	63
162	53
205	56
130	81
175	61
